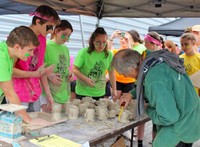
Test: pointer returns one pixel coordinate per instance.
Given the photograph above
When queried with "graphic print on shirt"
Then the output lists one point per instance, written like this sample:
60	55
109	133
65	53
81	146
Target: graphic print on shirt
61	68
96	74
188	68
34	60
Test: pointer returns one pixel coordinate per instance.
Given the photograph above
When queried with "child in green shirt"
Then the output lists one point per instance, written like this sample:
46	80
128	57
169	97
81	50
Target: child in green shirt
20	44
57	53
90	67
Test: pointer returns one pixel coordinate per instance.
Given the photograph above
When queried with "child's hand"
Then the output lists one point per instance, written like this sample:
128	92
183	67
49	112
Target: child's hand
71	77
39	122
49	69
43	70
90	82
115	34
55	78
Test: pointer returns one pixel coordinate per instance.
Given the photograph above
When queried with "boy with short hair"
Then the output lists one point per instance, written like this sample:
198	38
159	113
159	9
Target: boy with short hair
29	75
20	44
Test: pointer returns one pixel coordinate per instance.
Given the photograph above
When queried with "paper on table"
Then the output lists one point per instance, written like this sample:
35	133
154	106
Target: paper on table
195	78
54	141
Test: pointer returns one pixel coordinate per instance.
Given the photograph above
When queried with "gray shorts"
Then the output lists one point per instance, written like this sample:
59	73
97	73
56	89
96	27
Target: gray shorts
41	101
29	105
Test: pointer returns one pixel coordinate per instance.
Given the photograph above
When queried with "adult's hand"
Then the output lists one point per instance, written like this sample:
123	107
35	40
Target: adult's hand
127	97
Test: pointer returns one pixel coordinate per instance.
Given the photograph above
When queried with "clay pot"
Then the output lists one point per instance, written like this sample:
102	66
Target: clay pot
111	105
73	112
89	115
56	108
112	114
132	109
103	102
102	113
76	102
125	116
56	116
67	105
91	105
83	107
87	99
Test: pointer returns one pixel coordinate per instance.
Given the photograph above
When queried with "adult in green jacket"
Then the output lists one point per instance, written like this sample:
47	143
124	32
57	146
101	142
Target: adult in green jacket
170	99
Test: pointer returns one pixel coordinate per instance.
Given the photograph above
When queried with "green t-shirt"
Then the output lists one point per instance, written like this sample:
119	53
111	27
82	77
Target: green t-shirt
6	64
94	66
140	48
58	54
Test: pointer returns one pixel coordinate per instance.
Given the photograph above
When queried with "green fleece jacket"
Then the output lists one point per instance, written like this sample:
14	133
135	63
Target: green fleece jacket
173	106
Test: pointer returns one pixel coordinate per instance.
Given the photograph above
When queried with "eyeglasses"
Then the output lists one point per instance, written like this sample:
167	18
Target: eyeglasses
98	43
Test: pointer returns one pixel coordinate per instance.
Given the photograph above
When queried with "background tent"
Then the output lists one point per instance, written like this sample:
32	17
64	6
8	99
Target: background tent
176	27
109	8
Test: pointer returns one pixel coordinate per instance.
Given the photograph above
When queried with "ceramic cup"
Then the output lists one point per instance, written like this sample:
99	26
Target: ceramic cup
102	113
73	112
89	115
56	116
57	108
125	116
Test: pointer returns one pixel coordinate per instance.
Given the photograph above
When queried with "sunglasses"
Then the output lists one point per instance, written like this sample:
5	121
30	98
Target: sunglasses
50	27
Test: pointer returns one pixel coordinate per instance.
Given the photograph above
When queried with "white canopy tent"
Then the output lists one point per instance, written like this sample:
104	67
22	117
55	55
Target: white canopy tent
109	8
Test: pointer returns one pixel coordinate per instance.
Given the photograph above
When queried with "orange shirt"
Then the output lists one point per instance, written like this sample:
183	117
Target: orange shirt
120	78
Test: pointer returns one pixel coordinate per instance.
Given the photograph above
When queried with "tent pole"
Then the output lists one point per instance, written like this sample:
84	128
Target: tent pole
98	21
82	33
99	12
